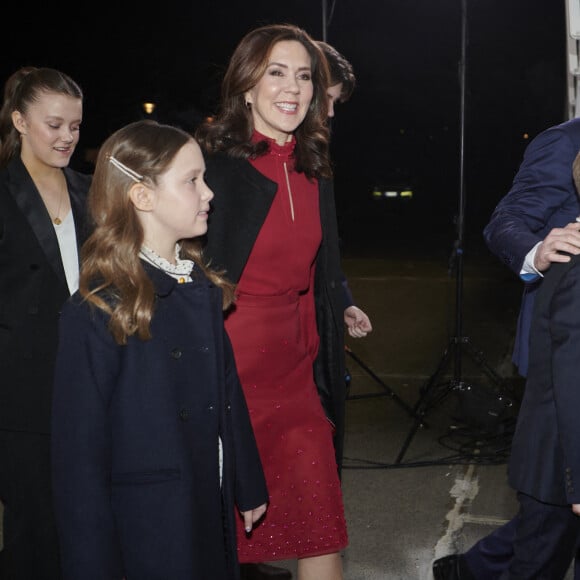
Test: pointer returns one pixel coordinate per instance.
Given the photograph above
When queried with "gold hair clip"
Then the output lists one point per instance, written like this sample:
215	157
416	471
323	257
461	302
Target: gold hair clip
126	170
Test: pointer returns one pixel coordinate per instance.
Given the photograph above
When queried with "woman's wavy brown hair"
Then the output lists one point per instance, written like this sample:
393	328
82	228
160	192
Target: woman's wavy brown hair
112	276
231	130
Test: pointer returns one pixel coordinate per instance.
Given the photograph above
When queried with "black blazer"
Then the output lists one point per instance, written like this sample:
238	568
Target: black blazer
243	197
545	456
33	288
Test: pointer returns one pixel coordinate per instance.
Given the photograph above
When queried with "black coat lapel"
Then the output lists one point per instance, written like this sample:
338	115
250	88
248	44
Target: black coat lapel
27	197
243	197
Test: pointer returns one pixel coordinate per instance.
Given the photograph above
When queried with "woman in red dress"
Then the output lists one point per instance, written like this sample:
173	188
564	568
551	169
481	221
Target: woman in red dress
273	230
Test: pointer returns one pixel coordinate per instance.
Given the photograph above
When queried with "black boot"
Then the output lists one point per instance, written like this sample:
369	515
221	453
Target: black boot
264	572
451	568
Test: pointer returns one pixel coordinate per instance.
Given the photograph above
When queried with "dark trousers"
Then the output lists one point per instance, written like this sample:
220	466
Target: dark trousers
540	542
490	557
30	549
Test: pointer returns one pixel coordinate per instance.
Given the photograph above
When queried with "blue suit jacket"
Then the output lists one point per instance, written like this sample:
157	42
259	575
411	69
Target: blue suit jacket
542	197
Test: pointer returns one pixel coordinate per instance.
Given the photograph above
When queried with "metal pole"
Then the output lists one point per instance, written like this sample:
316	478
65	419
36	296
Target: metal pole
461	211
324	20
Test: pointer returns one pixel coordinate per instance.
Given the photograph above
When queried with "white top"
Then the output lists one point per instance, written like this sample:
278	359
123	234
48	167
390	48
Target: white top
67	241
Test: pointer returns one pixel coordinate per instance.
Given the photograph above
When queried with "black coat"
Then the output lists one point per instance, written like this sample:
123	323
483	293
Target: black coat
135	442
33	288
243	197
545	454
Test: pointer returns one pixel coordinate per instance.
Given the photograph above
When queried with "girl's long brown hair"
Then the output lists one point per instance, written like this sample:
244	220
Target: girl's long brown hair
112	276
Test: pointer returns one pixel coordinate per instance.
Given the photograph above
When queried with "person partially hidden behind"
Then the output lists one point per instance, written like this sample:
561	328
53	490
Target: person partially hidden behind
153	454
532	227
342	84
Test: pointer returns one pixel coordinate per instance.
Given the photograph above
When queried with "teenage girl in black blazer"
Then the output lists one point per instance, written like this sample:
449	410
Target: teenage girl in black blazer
42	219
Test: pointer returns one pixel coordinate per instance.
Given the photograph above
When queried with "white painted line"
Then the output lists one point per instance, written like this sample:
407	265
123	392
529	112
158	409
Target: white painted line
484	520
464	491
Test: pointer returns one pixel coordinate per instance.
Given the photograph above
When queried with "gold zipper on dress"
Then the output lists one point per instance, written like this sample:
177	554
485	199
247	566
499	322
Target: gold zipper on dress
289	191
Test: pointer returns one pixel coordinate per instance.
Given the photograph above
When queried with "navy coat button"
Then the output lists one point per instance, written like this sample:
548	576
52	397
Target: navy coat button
176	353
184	414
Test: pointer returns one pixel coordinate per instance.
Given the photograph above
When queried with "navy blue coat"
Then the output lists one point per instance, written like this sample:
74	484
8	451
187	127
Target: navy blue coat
545	453
542	197
135	442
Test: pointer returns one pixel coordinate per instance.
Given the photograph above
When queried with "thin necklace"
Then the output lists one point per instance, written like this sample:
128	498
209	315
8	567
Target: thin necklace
289	191
57	221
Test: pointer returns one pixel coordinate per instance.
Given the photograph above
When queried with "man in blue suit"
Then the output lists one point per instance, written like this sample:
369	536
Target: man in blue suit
532	227
544	466
536	221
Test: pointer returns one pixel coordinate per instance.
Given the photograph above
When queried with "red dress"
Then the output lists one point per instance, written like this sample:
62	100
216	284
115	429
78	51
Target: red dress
273	331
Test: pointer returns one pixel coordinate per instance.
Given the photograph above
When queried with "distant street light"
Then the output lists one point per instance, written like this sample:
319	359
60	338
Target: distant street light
148	108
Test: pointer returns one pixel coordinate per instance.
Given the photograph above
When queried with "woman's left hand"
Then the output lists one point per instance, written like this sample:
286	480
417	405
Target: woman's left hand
357	322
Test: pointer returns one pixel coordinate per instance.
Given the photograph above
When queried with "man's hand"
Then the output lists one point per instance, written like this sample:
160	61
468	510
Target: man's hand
559	240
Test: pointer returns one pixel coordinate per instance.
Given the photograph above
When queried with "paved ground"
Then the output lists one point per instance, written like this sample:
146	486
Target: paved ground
406	507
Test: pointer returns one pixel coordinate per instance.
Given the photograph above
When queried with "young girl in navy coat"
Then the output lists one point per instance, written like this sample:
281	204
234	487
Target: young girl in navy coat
152	445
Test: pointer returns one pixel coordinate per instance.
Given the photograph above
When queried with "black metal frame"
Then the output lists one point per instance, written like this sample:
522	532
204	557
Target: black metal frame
433	392
388	391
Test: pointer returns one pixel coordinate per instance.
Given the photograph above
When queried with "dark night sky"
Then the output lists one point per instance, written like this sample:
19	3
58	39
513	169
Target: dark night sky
404	115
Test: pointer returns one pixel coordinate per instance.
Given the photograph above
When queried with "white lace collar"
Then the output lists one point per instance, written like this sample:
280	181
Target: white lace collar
181	270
